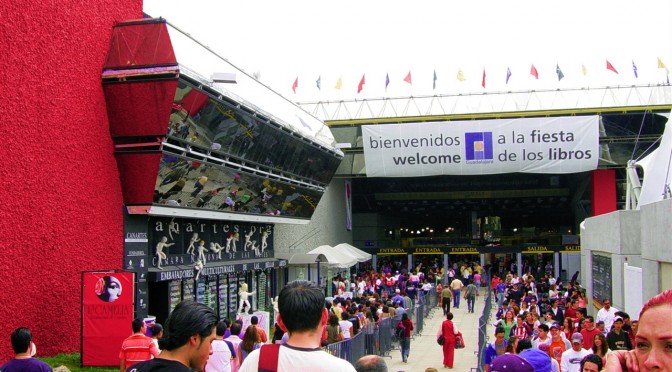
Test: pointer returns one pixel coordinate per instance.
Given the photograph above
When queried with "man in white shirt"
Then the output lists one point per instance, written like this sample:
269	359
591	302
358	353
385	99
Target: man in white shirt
235	329
303	314
571	359
607	314
221	357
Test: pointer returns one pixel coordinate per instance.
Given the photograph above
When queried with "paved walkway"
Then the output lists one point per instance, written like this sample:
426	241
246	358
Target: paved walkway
426	353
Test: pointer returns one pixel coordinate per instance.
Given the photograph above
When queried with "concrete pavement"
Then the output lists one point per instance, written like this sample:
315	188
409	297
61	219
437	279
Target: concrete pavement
426	353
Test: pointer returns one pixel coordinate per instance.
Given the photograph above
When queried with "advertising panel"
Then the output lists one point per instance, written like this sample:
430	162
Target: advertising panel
107	313
528	145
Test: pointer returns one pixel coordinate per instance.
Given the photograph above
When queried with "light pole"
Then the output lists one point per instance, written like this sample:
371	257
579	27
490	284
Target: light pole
317	261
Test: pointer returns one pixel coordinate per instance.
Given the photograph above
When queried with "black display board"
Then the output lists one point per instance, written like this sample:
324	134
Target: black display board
601	277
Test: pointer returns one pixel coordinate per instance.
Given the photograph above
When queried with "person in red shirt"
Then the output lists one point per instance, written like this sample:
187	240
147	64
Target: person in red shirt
137	347
588	332
254	321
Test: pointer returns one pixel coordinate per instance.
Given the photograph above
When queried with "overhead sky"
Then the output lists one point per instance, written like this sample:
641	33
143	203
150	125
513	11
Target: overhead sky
346	39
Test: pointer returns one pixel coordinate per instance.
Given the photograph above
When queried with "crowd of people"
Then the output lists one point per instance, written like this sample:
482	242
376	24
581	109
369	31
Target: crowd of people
547	321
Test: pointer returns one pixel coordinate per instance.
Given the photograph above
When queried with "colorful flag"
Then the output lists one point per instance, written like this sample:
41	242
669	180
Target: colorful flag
559	72
387	81
408	78
460	75
361	84
508	74
339	84
533	72
319	82
611	67
584	70
662	65
434	83
483	81
634	68
295	85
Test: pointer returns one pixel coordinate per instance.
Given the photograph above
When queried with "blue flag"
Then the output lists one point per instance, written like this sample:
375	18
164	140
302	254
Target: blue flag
559	72
508	74
387	81
634	69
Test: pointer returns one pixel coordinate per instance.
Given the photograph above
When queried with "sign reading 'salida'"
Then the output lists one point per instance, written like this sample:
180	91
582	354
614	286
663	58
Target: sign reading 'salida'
528	145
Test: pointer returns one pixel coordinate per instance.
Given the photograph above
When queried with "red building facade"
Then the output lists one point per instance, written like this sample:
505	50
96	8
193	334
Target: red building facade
62	198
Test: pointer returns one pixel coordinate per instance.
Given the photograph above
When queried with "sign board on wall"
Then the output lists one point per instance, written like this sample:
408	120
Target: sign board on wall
107	313
528	145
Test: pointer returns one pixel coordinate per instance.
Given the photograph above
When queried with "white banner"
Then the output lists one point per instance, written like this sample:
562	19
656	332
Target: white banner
529	145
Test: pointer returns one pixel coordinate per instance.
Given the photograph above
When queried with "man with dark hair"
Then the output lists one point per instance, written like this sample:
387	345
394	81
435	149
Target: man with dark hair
24	350
496	348
302	313
234	338
137	347
588	332
591	363
370	363
187	340
254	322
618	339
223	352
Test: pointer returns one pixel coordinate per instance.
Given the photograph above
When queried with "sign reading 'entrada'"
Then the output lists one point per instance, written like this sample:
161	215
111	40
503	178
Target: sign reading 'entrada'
536	249
528	145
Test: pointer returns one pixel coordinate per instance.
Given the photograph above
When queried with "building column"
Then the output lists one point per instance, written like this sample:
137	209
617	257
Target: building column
556	265
519	268
374	262
410	262
602	191
445	268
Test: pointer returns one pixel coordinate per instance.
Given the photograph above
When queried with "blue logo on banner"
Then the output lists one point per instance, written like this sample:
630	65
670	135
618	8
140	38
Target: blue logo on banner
478	145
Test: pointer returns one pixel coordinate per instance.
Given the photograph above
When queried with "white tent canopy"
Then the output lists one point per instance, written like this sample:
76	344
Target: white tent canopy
657	170
303	258
337	257
356	252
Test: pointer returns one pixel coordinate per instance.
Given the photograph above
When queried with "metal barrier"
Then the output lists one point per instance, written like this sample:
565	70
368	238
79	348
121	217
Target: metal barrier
483	324
383	339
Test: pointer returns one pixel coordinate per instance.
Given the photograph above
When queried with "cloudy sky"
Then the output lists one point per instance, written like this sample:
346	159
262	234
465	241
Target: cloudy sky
346	39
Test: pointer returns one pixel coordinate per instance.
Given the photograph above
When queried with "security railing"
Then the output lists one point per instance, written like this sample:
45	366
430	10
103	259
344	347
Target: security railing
382	339
483	324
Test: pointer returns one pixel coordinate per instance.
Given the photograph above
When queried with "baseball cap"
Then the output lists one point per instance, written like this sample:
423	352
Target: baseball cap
511	363
557	326
618	319
540	361
397	290
577	337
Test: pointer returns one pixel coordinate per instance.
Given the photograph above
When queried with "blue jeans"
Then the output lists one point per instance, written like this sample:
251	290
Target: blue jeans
456	298
500	299
470	303
405	344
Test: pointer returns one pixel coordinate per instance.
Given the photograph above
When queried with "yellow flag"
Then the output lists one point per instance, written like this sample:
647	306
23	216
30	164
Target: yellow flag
662	65
339	83
584	69
460	75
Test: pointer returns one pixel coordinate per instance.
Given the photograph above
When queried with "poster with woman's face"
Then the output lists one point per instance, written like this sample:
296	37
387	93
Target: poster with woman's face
108	288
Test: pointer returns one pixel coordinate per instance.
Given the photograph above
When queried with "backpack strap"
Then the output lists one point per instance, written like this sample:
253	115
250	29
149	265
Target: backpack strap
231	348
268	357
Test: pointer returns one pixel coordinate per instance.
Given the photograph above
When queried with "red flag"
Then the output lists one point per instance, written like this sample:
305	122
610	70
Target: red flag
483	82
361	84
408	78
295	85
611	67
534	72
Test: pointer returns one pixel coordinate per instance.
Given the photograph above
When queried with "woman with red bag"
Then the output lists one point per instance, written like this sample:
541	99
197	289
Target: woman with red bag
448	331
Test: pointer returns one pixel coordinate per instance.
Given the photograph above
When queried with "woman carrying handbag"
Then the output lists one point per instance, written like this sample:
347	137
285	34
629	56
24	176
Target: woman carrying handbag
448	331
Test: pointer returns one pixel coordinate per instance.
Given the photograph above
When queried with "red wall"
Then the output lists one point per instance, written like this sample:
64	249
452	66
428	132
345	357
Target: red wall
61	207
603	191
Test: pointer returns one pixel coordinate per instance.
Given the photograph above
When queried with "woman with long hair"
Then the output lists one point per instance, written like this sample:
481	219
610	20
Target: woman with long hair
251	341
652	341
511	345
448	330
567	328
405	341
600	347
507	322
334	333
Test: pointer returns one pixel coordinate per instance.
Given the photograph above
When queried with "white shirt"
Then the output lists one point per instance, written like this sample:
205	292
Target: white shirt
345	325
220	360
293	359
571	360
607	316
